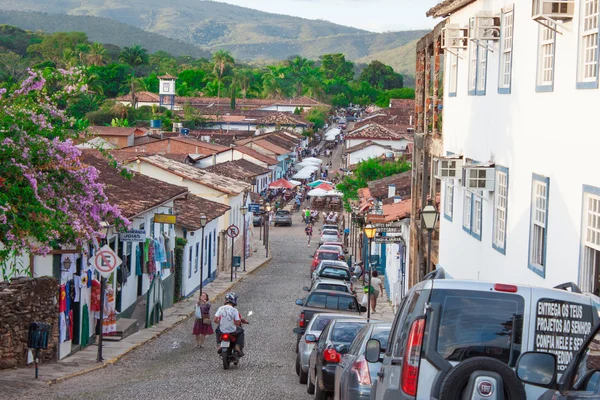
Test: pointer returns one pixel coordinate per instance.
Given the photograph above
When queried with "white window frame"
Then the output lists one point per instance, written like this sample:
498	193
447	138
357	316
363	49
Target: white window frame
197	258
538	228
589	260
587	76
453	75
546	57
476	218
482	61
166	87
506	52
473	51
467	210
448	200
500	209
190	258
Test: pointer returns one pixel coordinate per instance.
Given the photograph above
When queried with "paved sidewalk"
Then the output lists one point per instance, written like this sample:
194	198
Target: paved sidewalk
385	311
14	382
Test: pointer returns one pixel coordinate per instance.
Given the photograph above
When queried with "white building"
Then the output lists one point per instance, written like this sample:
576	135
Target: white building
367	150
518	107
378	134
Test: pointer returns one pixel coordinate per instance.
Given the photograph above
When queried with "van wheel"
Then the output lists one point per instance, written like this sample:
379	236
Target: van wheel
298	368
456	380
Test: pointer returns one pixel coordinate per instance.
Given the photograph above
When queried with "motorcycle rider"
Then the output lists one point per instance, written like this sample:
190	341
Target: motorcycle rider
229	320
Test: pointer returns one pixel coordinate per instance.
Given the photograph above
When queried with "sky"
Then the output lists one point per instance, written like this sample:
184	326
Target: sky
371	15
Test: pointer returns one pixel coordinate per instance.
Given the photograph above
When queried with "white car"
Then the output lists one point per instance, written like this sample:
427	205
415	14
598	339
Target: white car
329	235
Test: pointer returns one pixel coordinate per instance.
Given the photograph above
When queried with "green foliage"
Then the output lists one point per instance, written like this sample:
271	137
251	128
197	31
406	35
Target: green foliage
109	80
336	66
318	116
383	100
381	76
369	170
53	46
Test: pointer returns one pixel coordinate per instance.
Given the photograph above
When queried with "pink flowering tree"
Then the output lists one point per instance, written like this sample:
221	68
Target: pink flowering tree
48	197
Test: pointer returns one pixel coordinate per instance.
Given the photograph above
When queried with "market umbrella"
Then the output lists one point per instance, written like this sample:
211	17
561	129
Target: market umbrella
314	160
325	186
281	184
317	193
307	163
334	193
295	183
302	174
317	183
311	168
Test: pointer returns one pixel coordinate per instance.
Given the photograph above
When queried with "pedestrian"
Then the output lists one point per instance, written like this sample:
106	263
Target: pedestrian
307	215
202	325
309	231
374	288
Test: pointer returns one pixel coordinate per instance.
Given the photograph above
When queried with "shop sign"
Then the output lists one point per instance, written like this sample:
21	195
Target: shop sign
133	235
165	219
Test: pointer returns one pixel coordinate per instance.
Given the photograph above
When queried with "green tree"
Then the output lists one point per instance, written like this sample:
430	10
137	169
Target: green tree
318	116
108	80
336	66
222	59
190	82
96	54
383	100
276	82
244	78
54	45
133	56
12	66
381	76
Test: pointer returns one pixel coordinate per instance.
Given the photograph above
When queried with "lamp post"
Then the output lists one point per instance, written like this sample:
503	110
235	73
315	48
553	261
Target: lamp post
429	217
268	209
370	231
203	221
244	211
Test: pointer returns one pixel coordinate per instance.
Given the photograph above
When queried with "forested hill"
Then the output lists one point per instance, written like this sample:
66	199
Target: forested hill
249	34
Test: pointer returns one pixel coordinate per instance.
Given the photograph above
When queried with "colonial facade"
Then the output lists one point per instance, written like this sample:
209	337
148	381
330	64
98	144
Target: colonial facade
520	193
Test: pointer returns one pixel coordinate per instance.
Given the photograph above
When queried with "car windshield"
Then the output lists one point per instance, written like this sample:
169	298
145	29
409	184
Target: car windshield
328	256
476	324
332	248
320	323
345	332
282	213
332	302
335	273
330	232
331	286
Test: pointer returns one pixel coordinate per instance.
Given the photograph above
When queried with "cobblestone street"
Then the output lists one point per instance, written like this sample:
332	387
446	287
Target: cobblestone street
170	367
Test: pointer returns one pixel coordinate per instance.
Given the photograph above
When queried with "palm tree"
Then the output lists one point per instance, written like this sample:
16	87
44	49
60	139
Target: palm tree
134	56
243	79
277	82
96	54
221	60
69	58
300	68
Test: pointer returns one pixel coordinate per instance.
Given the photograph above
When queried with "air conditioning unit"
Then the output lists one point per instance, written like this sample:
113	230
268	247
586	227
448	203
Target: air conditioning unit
454	37
479	177
177	126
484	26
448	167
553	10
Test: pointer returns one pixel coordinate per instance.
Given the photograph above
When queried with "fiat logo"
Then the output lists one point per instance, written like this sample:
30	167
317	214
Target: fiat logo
485	388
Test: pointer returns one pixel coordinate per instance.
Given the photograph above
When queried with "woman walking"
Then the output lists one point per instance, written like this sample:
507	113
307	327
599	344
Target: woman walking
202	326
375	289
309	231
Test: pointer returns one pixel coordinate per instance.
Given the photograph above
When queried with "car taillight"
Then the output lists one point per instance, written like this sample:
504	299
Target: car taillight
361	369
225	337
330	355
412	358
500	287
301	321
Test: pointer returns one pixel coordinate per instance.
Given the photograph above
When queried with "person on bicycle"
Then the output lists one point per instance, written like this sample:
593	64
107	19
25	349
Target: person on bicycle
309	231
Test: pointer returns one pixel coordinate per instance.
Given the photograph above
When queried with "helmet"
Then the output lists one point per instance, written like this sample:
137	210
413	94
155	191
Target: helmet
231	298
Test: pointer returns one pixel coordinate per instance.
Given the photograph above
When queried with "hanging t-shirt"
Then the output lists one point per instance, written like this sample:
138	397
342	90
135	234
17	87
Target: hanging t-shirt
89	278
68	297
95	306
85	326
71	323
62	305
77	287
67	327
63	327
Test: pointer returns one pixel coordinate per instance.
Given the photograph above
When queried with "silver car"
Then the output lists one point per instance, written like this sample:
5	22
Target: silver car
309	338
329	235
329	284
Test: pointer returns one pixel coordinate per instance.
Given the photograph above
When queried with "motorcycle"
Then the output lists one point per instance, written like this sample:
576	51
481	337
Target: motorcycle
228	352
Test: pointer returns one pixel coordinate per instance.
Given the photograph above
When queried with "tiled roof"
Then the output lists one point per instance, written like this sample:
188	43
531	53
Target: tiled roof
112	131
242	170
392	212
271	147
198	142
133	196
217	182
189	211
446	7
256	155
282	118
167	76
375	131
144	139
366	144
142	97
379	188
177	145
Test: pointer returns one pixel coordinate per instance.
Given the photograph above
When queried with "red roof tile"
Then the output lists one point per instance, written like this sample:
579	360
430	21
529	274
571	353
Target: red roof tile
190	209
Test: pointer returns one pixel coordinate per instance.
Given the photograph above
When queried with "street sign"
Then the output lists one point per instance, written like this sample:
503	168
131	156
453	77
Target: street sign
233	231
388	239
396	224
105	261
133	235
254	208
165	219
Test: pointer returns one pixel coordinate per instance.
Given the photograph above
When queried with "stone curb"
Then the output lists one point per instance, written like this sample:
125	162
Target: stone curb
134	347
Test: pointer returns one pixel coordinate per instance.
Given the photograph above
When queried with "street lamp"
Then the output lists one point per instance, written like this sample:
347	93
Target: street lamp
203	221
268	209
244	211
429	217
370	231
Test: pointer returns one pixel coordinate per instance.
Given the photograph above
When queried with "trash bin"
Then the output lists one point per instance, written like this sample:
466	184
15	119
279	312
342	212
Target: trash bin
237	261
39	332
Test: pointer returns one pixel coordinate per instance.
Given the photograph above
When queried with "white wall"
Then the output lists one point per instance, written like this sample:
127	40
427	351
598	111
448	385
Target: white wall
365	154
395	254
395	144
551	134
191	272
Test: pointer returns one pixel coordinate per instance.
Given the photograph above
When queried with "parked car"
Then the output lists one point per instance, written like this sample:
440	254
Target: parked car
310	335
329	284
324	255
475	326
323	263
354	374
329	235
319	301
330	227
580	380
283	217
257	220
338	249
334	341
333	272
336	244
